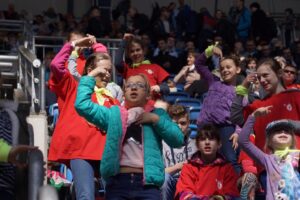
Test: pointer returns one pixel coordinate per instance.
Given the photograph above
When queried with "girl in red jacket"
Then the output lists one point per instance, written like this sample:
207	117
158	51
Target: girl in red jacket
207	175
75	141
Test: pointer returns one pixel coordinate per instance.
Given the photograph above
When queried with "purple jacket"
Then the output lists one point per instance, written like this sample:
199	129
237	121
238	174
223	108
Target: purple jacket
216	105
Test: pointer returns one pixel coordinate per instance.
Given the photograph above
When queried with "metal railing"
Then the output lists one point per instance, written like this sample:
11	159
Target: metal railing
51	42
31	79
21	27
8	70
279	18
12	25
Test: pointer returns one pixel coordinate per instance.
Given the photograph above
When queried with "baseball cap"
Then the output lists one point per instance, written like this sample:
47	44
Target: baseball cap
278	125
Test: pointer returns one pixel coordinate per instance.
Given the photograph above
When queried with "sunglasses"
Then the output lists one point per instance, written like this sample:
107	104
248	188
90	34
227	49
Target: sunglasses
135	85
289	71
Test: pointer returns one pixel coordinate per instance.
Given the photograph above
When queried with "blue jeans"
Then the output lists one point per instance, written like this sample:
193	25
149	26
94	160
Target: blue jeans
169	187
83	176
129	186
226	149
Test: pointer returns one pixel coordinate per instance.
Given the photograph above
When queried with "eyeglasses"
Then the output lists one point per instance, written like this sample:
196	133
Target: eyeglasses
135	85
289	71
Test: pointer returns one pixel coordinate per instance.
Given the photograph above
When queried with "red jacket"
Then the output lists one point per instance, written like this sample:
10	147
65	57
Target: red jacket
286	105
73	137
199	180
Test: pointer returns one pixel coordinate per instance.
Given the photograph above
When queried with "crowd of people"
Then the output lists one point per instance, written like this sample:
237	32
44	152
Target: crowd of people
247	140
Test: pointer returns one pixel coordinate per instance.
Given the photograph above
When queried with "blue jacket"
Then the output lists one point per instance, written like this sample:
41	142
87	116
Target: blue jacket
244	23
113	122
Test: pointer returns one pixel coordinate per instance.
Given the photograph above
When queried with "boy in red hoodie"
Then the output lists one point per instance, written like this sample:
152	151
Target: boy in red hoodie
207	175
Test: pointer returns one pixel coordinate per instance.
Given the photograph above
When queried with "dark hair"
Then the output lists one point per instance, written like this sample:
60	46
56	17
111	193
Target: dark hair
134	41
177	111
235	58
249	59
76	32
289	10
255	5
93	59
274	65
208	131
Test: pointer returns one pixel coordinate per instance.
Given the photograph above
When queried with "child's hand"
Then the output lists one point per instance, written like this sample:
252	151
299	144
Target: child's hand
262	111
180	165
16	150
155	88
234	138
85	42
98	71
217	51
161	104
93	38
128	36
147	118
250	78
171	83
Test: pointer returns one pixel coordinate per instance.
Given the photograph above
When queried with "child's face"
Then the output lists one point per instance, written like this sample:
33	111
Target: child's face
228	71
102	80
136	53
136	94
183	123
281	139
190	59
267	78
208	148
252	65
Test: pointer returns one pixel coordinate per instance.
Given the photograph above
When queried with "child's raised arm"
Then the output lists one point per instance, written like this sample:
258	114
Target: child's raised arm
254	152
57	65
72	64
92	112
119	61
200	63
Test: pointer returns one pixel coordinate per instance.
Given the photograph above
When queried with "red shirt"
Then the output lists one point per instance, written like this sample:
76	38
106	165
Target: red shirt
286	105
155	74
73	136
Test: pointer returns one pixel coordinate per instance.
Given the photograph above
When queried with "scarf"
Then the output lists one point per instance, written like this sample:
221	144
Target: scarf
135	65
286	151
133	114
100	92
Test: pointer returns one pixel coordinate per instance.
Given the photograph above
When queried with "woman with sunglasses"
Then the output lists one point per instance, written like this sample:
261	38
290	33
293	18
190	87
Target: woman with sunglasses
289	77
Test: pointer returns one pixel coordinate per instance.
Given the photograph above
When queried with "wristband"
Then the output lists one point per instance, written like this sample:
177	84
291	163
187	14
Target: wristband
209	51
241	90
75	53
